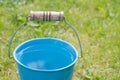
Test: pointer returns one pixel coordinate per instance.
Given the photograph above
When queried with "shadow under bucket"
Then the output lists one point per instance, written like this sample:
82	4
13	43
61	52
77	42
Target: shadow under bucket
45	59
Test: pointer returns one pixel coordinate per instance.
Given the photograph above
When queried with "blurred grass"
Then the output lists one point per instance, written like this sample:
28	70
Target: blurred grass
96	21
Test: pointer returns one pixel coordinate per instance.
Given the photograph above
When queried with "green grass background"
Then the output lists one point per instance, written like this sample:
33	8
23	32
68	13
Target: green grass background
96	21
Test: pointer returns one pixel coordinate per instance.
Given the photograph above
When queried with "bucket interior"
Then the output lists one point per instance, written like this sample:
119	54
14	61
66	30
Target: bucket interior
45	54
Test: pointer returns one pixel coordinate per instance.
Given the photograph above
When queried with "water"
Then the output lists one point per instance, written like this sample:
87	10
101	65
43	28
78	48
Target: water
46	58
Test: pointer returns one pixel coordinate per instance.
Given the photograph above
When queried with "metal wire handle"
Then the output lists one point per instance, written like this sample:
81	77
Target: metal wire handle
76	34
22	25
11	40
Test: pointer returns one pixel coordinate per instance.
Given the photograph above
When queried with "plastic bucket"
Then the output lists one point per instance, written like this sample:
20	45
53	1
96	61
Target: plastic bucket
45	59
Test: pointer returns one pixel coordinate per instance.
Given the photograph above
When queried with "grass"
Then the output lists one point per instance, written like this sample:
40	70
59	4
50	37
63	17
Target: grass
96	21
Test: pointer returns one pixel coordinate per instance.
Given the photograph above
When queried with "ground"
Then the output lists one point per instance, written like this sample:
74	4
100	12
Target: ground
96	21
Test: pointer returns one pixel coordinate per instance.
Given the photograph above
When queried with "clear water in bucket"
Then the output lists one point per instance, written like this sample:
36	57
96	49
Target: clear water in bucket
46	57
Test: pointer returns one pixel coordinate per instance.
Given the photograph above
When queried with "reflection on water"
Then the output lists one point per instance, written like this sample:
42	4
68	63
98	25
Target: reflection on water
36	65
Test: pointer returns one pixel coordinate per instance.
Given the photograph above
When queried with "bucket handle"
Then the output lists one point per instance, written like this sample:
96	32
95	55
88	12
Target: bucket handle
77	36
59	19
11	39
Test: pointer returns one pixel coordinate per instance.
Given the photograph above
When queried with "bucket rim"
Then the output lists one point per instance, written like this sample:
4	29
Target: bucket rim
76	52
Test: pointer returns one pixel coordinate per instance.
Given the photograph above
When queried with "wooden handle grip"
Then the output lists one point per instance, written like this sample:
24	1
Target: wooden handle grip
46	16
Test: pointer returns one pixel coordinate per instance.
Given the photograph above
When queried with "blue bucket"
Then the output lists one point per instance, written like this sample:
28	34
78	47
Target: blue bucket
45	59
